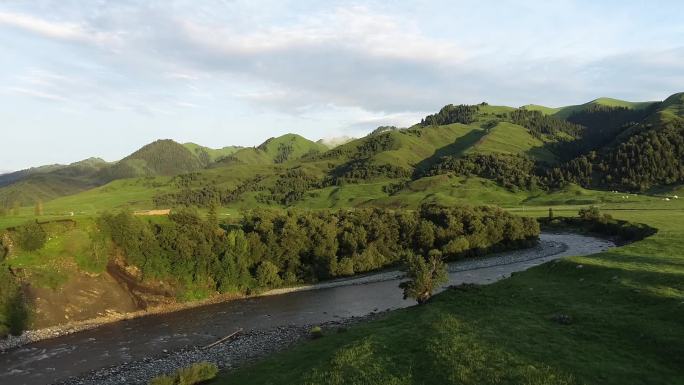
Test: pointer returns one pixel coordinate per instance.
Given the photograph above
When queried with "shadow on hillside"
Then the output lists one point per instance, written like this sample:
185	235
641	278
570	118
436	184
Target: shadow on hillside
457	148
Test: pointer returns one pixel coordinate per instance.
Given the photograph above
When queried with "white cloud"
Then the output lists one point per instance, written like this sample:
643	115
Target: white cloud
37	94
55	29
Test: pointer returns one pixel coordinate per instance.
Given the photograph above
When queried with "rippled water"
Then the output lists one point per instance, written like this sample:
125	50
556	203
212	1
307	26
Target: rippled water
52	360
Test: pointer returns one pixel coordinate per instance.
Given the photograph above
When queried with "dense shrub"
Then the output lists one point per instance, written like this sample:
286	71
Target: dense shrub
14	312
31	236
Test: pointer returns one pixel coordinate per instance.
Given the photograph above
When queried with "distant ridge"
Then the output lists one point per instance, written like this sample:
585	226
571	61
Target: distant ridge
584	143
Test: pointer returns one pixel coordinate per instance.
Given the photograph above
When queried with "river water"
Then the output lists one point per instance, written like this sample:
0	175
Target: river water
52	360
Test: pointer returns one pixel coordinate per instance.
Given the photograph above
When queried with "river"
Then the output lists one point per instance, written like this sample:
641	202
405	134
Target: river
52	360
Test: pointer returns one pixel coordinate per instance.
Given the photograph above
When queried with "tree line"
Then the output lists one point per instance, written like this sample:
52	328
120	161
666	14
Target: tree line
540	125
270	248
449	114
510	171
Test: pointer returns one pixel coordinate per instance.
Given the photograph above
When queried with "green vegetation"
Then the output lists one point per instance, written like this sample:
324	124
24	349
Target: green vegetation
14	312
609	318
31	236
451	114
163	157
427	274
193	374
269	248
565	112
207	155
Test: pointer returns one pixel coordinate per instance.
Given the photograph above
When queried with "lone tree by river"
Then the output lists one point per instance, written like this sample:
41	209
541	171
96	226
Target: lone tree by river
425	275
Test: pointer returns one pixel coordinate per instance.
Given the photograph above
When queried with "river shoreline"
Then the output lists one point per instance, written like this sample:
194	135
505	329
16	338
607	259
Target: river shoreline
541	250
127	352
243	349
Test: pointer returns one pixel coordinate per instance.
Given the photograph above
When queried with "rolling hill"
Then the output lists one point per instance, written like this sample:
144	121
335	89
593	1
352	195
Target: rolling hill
284	148
160	158
600	144
208	155
566	112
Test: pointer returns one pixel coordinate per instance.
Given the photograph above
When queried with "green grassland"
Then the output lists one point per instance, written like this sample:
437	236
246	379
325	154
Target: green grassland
509	138
626	307
565	112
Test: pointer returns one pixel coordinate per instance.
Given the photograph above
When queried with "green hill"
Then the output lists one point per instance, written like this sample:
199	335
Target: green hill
509	138
530	147
162	157
672	107
11	177
49	182
565	112
208	155
282	149
543	109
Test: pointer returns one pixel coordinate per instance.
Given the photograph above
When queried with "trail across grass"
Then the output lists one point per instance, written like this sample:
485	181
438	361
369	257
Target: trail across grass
611	318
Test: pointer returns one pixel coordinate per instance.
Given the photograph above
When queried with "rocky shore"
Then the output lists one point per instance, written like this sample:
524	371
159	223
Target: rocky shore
242	349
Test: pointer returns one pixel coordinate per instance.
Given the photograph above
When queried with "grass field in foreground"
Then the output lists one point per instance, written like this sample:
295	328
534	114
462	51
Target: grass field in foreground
626	305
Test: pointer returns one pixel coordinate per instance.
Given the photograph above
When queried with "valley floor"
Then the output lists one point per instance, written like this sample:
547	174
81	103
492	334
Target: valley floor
610	318
270	323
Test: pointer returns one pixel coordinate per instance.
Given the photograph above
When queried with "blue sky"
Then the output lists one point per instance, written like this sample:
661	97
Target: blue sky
102	78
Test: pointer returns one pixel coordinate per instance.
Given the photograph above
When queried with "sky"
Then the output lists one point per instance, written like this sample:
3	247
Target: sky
83	78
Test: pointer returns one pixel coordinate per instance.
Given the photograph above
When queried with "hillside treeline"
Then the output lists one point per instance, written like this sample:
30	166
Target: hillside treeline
269	248
462	113
540	125
646	159
510	171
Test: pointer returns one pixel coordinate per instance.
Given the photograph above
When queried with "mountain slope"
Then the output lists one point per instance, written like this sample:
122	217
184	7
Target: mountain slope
208	155
567	111
160	158
281	149
605	143
49	182
11	177
645	154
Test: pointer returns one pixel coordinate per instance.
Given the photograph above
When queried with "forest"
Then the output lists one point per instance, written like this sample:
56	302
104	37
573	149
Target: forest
541	125
462	113
646	159
270	248
510	171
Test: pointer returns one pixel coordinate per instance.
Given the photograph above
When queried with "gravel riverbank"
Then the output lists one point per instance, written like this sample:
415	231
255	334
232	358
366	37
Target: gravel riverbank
239	350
